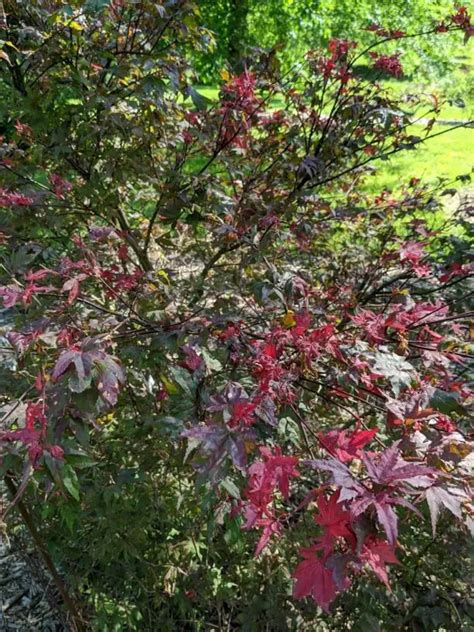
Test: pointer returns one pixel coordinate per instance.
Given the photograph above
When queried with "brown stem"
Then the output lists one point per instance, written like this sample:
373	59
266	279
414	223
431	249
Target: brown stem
60	585
132	242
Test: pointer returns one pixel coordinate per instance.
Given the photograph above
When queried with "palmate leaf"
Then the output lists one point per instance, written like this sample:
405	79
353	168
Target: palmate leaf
345	445
217	443
394	368
438	497
110	378
71	356
91	363
191	192
377	553
447	403
341	476
388	519
314	580
389	469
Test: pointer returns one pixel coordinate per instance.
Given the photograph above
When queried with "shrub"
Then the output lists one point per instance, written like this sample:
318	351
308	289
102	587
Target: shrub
217	332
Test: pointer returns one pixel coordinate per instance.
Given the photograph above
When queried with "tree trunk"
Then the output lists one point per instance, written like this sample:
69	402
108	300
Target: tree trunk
238	33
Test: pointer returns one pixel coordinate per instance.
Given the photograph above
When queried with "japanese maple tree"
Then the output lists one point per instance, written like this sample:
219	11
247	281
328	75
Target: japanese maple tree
215	279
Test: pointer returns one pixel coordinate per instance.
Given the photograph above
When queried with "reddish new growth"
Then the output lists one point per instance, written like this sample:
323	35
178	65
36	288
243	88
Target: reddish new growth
264	479
462	18
33	434
239	106
12	294
386	33
14	198
413	253
347	542
60	186
301	326
340	48
388	63
336	65
459	20
345	445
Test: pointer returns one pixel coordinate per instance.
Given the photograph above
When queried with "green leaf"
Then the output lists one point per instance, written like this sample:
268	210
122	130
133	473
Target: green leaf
394	368
78	384
446	403
231	487
182	378
200	101
95	6
212	363
70	481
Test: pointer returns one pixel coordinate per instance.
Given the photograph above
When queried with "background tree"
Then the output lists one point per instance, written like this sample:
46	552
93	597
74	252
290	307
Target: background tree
294	26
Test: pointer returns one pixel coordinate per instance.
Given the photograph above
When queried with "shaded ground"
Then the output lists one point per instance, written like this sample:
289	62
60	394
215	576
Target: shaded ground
28	601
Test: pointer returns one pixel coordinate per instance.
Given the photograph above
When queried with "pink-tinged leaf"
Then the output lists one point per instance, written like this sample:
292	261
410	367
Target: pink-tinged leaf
270	527
10	295
65	360
56	452
250	513
38	275
359	505
382	502
13	294
341	476
279	469
406	503
192	360
71	286
314	580
381	466
14	198
344	445
102	233
438	497
107	374
333	517
338	562
412	251
376	553
60	186
110	379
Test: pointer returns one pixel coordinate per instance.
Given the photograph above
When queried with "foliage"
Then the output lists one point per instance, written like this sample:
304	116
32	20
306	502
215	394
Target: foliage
215	330
290	27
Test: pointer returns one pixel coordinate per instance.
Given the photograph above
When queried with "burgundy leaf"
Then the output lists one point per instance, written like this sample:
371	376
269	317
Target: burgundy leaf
314	580
376	553
65	360
389	468
388	519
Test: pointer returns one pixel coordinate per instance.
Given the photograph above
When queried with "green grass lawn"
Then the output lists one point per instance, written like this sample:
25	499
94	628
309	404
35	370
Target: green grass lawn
446	156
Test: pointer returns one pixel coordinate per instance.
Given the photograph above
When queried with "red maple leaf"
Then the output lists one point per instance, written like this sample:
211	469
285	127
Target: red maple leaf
376	553
314	580
346	446
271	526
334	519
